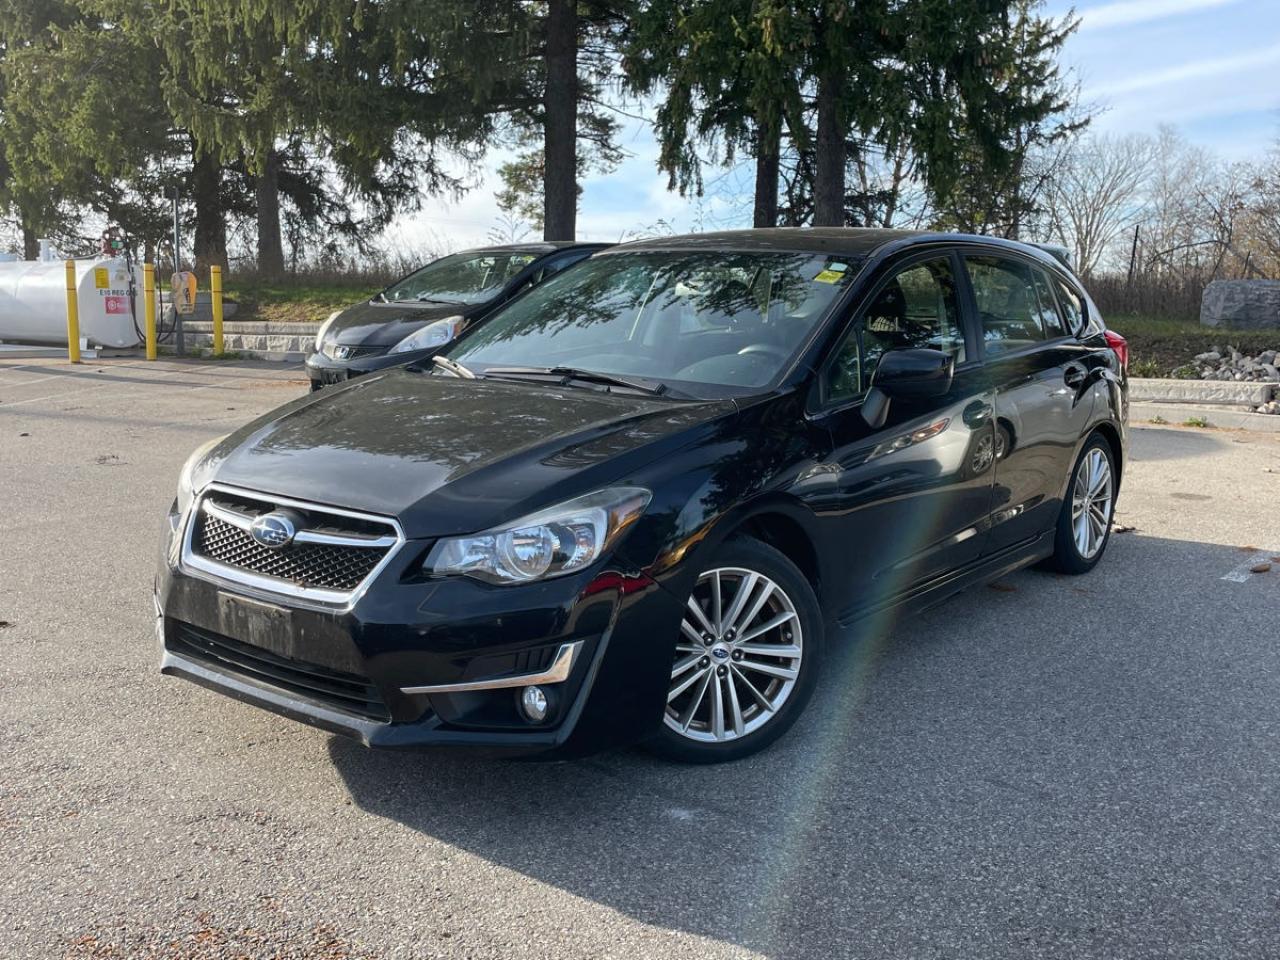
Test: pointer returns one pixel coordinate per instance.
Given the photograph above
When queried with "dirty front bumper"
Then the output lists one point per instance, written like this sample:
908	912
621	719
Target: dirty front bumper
415	662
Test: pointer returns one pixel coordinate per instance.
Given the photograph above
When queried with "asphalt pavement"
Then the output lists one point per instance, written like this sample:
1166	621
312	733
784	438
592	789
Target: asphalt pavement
1048	767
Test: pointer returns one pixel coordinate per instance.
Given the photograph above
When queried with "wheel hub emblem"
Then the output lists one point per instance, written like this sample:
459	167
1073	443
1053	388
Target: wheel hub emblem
720	653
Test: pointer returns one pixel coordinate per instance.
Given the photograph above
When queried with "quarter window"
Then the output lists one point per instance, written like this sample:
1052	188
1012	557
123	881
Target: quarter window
1050	317
1072	307
917	307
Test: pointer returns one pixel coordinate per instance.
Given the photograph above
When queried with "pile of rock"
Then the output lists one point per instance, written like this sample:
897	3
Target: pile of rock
1231	364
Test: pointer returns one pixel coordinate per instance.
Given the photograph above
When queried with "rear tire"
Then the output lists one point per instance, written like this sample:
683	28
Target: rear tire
1088	509
747	657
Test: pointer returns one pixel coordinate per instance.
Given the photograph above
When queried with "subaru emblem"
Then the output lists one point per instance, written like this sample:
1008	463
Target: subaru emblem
274	530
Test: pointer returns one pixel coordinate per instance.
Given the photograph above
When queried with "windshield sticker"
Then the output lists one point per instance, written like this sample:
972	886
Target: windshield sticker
829	276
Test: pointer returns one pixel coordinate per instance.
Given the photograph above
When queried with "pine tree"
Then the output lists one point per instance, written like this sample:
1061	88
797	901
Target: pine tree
728	76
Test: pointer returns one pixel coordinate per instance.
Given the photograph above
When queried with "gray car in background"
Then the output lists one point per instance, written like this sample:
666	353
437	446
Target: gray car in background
419	313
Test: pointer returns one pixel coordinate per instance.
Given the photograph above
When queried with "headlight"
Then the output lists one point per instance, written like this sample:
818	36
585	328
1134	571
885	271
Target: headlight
551	543
432	335
324	328
186	479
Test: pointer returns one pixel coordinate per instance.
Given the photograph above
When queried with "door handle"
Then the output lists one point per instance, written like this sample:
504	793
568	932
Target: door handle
977	413
1074	375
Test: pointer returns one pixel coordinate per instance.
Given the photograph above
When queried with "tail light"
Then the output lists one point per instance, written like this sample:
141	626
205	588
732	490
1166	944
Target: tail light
1121	346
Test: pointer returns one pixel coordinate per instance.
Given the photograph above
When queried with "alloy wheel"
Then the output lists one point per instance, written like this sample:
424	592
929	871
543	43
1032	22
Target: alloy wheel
737	659
1091	501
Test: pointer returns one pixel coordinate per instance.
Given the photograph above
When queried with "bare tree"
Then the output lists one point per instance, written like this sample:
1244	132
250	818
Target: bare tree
1096	195
1262	220
1176	231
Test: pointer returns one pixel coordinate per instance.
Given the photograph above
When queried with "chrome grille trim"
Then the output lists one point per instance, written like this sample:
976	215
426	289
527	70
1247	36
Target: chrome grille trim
209	569
237	519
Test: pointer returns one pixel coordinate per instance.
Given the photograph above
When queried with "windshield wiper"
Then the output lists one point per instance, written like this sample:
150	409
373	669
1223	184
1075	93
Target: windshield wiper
568	374
453	366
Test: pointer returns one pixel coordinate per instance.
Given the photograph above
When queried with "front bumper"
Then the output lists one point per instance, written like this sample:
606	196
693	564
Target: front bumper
322	370
440	662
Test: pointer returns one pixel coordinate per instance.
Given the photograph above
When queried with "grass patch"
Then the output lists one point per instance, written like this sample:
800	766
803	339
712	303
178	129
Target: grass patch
1163	348
309	301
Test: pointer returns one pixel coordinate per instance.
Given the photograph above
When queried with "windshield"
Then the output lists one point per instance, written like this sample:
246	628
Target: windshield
720	319
461	278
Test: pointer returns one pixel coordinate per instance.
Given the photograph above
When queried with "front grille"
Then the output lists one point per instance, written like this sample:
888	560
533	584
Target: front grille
330	552
345	351
347	692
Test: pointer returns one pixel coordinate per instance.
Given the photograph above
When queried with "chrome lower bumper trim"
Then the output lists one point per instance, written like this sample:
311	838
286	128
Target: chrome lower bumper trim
558	672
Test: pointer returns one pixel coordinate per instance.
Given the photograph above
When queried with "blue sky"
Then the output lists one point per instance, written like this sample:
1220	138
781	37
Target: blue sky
1211	68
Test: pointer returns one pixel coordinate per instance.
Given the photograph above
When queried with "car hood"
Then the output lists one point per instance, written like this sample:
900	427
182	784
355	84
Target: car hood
373	324
450	456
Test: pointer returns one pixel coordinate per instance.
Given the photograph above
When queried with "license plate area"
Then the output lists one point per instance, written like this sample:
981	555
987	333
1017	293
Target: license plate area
330	375
258	623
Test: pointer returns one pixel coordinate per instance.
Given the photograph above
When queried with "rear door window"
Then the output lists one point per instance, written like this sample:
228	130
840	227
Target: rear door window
1008	306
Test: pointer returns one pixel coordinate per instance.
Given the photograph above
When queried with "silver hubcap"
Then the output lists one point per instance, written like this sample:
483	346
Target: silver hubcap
1091	499
737	658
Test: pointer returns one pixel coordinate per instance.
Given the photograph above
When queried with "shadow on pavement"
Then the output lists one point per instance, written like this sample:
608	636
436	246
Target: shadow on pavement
1151	444
169	369
1061	766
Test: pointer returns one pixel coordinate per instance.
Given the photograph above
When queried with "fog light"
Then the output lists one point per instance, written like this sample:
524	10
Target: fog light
533	704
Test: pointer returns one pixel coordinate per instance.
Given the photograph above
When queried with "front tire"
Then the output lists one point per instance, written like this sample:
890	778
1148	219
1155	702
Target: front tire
746	659
1084	524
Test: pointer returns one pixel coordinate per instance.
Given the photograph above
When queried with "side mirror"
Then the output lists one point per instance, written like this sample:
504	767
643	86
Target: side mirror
916	374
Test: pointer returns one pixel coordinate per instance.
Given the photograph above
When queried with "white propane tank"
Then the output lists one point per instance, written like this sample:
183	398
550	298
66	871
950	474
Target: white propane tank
33	302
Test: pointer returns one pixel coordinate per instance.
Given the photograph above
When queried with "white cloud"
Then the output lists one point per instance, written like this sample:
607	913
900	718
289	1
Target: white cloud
1195	70
1125	12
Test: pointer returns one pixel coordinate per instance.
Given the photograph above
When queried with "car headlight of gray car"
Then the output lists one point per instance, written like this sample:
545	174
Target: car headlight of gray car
432	335
324	328
550	543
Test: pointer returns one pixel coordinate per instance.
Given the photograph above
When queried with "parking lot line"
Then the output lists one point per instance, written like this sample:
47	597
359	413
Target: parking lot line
166	377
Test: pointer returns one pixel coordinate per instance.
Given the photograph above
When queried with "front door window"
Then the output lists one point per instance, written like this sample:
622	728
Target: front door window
916	307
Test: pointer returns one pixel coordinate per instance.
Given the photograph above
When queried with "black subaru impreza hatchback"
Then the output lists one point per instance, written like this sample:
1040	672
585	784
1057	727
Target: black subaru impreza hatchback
635	502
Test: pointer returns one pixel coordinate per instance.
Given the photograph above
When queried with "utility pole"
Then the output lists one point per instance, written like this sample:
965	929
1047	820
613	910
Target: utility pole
1133	253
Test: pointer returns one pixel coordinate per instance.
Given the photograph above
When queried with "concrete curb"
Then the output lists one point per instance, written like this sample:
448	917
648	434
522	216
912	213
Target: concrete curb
1215	416
255	327
260	339
1232	392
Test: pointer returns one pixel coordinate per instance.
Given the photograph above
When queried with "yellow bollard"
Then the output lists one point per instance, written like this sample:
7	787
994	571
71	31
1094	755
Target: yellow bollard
73	315
149	306
215	284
